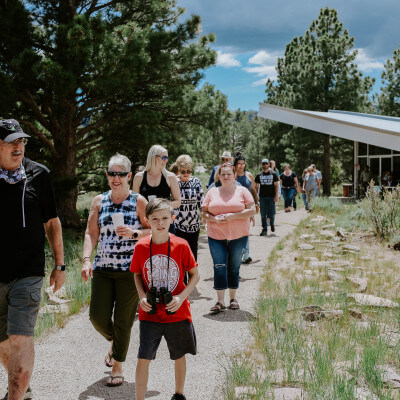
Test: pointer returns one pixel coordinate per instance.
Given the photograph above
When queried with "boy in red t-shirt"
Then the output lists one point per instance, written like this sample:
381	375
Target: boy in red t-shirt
160	262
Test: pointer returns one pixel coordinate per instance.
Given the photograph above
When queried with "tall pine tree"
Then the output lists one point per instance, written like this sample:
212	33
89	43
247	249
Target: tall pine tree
317	73
85	75
389	98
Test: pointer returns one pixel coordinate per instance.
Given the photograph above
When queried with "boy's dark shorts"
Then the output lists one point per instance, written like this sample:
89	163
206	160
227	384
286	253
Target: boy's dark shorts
180	338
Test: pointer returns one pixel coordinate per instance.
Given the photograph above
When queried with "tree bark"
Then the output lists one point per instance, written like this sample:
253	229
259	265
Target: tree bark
326	176
65	181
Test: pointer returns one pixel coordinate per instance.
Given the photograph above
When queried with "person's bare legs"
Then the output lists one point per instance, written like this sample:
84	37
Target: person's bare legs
232	294
116	371
221	296
109	360
142	376
5	353
18	359
180	374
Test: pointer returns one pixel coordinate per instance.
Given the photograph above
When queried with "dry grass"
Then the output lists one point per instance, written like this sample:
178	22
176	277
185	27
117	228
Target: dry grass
335	357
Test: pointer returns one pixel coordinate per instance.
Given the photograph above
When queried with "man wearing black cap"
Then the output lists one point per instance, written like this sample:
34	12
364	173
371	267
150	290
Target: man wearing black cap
267	188
28	214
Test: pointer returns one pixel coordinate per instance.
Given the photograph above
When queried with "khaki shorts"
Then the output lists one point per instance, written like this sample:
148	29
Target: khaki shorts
19	306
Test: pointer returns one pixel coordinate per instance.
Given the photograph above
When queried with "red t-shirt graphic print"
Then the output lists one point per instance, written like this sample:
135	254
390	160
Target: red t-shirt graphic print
181	260
163	275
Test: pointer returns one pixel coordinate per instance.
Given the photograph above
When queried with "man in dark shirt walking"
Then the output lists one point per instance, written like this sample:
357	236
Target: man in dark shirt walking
267	188
28	213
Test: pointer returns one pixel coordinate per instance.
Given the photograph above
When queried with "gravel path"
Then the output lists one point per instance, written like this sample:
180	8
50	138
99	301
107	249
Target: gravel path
70	362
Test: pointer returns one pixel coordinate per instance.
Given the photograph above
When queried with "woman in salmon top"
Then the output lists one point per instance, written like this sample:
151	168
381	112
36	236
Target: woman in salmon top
227	210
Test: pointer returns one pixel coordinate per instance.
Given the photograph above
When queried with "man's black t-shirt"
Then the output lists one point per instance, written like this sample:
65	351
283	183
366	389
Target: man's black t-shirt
266	181
29	203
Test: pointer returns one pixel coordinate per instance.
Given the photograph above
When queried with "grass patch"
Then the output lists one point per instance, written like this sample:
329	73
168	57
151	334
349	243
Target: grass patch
336	355
76	288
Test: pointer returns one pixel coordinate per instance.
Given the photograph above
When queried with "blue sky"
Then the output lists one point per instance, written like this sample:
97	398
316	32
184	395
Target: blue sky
252	34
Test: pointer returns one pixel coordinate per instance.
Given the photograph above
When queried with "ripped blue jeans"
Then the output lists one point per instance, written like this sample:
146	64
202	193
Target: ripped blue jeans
227	257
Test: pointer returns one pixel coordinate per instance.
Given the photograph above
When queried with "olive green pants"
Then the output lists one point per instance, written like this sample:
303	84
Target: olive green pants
113	306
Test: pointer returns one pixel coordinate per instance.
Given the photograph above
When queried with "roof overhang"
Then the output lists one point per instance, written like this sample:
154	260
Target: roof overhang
372	129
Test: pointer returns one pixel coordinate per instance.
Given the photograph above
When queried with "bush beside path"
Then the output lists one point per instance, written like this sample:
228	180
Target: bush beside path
70	361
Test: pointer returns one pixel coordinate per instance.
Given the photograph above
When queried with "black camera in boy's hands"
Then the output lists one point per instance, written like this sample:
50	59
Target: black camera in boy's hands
152	297
164	296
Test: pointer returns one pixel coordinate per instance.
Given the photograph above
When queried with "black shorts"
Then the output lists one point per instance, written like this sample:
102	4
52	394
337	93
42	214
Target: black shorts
180	338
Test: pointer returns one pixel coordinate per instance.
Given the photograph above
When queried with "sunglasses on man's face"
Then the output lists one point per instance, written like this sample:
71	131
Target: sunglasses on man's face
184	172
225	159
121	174
265	163
16	142
164	158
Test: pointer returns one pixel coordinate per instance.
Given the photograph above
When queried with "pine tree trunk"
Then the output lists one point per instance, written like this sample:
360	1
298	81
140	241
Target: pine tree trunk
326	176
65	182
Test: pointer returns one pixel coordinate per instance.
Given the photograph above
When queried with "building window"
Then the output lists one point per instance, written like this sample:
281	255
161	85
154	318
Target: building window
378	151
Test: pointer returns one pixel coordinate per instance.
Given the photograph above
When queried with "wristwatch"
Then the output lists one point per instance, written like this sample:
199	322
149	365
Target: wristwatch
60	267
135	235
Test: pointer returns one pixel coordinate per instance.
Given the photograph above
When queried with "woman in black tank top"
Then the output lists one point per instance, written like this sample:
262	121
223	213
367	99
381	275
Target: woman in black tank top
155	180
162	190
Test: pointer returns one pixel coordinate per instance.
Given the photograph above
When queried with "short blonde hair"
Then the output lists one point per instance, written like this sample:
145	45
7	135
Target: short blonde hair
155	151
121	161
184	161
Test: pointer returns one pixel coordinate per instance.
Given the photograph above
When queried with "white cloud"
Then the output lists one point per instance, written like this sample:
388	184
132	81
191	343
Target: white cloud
263	58
227	60
265	67
367	64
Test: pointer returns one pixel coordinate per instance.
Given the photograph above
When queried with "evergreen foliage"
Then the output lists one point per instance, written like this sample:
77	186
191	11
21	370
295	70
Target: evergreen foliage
389	99
86	75
317	73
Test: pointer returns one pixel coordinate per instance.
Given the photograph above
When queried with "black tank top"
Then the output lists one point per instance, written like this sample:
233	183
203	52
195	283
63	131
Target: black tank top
162	190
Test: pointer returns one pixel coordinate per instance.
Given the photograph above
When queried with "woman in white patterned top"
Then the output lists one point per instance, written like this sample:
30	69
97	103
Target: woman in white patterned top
114	297
187	220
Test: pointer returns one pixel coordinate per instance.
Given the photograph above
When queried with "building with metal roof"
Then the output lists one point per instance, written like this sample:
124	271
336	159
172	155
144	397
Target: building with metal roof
376	138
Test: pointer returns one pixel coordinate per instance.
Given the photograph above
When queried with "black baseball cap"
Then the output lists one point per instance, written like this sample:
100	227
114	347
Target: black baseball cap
11	130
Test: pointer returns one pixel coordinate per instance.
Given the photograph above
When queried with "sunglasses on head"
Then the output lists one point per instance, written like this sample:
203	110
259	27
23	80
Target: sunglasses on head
226	164
164	158
121	174
184	172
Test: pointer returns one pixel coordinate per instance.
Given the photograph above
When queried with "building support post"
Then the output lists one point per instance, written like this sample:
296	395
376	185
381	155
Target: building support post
356	170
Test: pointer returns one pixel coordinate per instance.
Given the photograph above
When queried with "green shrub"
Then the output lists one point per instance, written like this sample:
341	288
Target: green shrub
382	211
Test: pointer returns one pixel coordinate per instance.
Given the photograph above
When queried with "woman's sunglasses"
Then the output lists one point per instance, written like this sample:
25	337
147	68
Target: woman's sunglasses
184	172
121	174
164	158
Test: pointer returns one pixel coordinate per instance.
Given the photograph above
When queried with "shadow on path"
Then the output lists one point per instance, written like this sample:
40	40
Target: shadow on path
231	316
246	279
196	295
99	390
